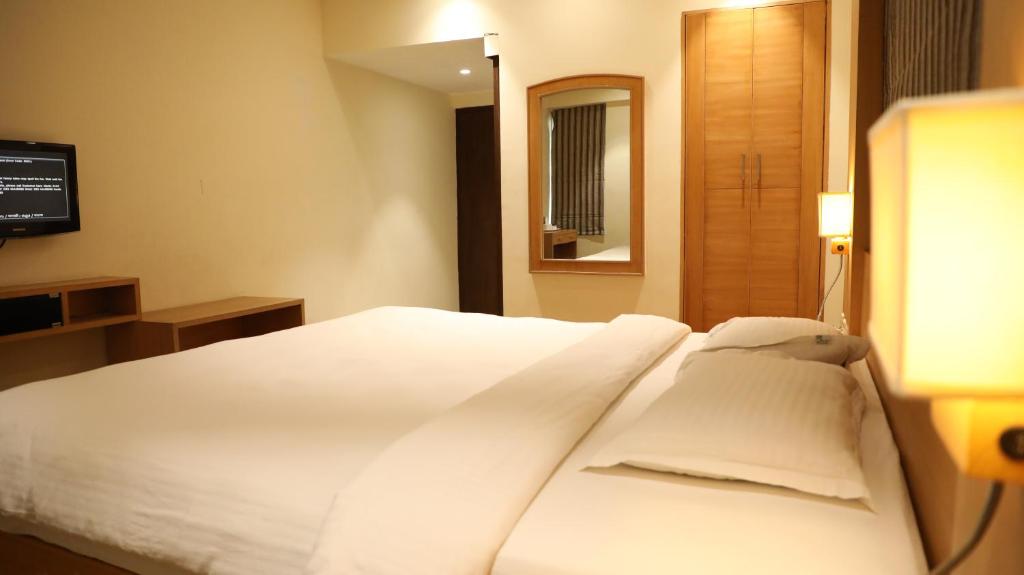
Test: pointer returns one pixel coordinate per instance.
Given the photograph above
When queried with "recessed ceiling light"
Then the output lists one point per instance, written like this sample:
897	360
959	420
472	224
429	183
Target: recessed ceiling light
465	71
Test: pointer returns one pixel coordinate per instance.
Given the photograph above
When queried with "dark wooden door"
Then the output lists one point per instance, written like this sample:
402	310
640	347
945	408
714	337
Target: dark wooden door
479	211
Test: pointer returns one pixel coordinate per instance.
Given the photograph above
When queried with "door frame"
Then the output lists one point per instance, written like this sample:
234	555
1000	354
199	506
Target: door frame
691	245
496	86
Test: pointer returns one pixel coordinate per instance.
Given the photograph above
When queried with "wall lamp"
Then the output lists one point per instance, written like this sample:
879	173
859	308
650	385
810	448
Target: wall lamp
947	315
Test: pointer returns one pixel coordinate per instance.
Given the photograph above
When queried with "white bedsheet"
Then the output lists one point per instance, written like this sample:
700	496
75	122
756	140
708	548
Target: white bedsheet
225	459
626	520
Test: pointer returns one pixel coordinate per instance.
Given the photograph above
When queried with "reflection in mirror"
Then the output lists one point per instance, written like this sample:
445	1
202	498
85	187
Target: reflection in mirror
585	175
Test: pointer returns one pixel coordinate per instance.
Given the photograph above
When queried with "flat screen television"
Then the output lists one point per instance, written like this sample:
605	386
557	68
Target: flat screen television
38	189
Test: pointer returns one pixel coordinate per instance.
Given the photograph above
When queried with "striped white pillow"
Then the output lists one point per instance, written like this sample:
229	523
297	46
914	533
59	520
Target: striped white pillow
760	331
754	416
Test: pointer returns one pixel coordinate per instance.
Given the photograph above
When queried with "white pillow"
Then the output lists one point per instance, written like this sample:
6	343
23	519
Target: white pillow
754	416
759	331
796	337
834	349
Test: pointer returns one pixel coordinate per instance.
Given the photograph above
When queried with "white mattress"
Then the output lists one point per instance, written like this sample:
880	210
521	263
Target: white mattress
225	459
626	520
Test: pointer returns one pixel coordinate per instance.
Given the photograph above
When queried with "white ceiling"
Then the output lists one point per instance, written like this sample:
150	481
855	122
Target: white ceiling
435	66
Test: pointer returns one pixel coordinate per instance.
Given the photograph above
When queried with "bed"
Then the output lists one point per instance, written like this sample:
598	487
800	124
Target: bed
268	455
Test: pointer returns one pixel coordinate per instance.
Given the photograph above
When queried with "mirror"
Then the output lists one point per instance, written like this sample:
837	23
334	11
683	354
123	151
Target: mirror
586	175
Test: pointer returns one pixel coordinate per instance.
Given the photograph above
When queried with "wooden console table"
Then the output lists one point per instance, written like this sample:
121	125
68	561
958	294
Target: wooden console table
176	329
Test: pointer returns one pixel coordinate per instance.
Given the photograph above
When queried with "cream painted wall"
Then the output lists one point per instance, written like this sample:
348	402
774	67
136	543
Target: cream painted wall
611	36
221	154
839	121
471	99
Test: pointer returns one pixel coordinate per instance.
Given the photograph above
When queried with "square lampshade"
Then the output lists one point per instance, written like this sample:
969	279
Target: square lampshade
835	215
947	221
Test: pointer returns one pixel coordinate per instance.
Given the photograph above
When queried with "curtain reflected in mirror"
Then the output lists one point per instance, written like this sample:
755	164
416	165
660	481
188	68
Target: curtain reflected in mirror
582	164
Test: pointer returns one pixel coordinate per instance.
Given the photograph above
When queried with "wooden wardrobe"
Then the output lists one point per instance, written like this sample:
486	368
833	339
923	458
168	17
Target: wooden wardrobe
754	124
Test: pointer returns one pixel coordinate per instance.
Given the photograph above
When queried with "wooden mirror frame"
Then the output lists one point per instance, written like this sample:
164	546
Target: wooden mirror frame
534	94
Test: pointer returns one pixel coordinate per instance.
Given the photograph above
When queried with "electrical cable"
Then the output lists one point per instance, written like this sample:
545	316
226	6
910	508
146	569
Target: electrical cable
3	243
994	494
821	310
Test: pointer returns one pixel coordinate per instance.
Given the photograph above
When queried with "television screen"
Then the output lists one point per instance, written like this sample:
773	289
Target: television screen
38	189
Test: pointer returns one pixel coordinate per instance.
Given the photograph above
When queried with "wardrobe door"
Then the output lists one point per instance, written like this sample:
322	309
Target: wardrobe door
787	147
777	115
727	164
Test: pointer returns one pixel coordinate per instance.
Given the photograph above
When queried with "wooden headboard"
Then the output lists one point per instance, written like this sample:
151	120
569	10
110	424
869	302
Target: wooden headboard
946	502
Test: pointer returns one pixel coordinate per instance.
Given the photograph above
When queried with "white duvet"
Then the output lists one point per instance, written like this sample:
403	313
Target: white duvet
442	499
225	459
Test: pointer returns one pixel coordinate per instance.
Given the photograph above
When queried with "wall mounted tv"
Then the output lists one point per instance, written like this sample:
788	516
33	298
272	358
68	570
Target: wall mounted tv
38	189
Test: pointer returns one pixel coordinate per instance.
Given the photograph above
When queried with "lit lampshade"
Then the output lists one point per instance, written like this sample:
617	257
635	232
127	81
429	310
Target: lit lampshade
947	316
835	215
947	215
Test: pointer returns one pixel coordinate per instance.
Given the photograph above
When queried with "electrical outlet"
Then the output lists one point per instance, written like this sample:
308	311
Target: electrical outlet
840	245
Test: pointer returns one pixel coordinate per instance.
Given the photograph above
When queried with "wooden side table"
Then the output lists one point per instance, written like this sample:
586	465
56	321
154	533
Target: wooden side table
560	244
177	329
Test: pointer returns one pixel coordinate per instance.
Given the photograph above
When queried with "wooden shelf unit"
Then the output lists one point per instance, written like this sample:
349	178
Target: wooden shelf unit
177	329
85	304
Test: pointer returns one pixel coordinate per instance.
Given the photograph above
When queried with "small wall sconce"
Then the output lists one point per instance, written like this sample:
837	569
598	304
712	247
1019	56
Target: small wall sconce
835	220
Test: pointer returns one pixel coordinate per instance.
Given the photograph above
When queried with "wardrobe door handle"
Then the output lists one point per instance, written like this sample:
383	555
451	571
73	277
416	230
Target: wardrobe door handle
743	180
759	180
